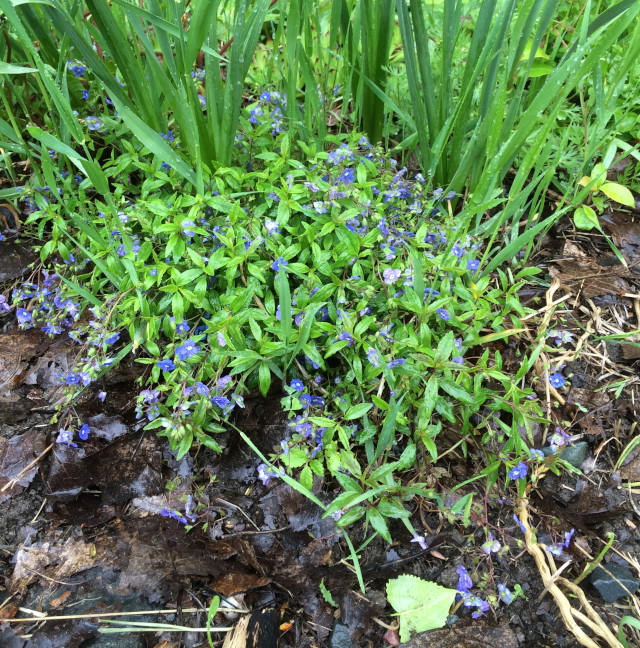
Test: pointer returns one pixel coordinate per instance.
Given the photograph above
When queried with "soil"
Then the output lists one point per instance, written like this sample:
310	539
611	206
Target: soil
82	534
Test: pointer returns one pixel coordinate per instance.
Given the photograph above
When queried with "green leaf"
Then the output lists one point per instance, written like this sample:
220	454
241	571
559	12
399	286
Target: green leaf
8	68
356	411
264	378
326	594
584	218
618	193
378	523
421	605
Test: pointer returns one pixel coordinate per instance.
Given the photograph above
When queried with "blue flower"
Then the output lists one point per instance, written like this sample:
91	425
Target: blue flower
346	177
187	350
372	356
166	365
112	338
166	166
186	228
516	519
556	380
272	226
505	593
221	339
491	546
391	275
93	123
443	314
396	363
153	272
278	263
420	540
83	433
518	472
23	316
464	581
102	396
473	264
265	473
66	437
297	385
183	327
85	95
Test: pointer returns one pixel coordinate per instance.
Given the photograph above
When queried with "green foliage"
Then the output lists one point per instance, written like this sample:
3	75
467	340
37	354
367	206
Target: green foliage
421	605
335	271
469	135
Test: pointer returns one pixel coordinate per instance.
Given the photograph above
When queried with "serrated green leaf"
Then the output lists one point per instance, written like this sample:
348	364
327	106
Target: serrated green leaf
421	605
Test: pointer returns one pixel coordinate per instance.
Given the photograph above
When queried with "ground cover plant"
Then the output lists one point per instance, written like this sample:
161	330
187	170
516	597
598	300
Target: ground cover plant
204	203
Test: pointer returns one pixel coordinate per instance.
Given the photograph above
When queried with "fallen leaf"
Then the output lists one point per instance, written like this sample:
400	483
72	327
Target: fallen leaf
422	605
16	454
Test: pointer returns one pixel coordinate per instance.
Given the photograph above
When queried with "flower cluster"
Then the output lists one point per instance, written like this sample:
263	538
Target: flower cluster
43	304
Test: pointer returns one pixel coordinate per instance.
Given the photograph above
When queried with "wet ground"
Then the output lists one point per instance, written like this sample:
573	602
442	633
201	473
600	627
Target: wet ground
82	534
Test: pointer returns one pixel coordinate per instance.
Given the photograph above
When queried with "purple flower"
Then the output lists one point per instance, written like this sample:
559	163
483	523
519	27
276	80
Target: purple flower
93	123
337	514
221	339
505	593
517	521
464	581
265	473
491	546
85	95
518	472
272	226
443	314
297	385
66	437
238	399
372	356
23	316
166	365
346	336
221	402
396	363
102	396
473	265
420	540
556	380
83	432
187	350
391	275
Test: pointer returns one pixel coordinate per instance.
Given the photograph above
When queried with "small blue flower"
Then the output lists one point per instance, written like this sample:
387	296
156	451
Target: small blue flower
272	226
518	472
23	316
93	123
166	365
183	327
221	339
112	338
391	275
153	272
85	95
186	228
505	593
473	265
187	350
420	540
66	437
464	581
102	396
372	356
556	380
83	433
443	314
297	385
278	263
166	166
